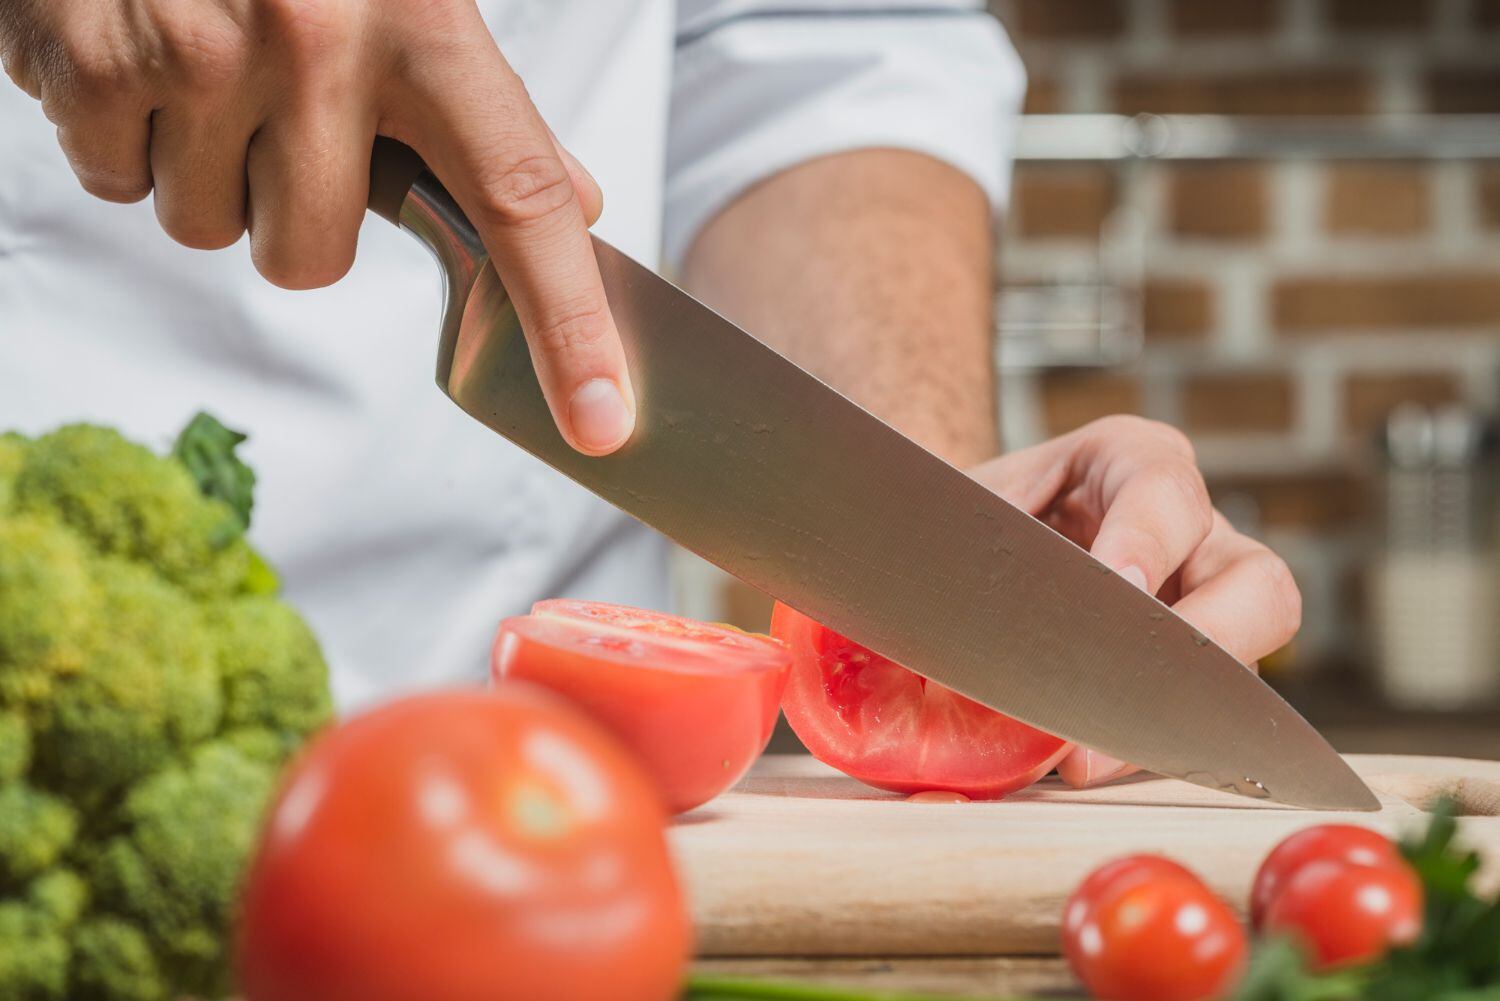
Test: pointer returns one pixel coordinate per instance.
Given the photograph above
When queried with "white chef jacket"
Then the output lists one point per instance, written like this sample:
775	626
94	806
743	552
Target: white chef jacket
403	529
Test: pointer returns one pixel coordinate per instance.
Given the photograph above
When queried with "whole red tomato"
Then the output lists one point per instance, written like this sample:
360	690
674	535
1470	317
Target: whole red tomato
1144	928
1345	913
696	701
468	847
1337	842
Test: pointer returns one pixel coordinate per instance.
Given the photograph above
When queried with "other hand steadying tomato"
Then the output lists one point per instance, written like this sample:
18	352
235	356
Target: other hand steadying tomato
1143	928
880	723
696	701
1129	491
464	847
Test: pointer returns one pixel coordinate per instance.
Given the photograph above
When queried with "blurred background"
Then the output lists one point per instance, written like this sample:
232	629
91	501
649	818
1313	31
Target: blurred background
1276	225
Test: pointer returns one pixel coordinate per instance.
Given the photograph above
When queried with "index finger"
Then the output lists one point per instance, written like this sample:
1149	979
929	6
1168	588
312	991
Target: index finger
486	141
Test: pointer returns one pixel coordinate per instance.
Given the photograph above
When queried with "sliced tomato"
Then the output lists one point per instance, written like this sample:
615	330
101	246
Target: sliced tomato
697	702
878	722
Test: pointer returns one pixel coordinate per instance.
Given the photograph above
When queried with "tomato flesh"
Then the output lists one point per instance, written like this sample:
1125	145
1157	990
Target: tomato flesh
1146	929
1338	842
1345	913
697	702
464	846
892	729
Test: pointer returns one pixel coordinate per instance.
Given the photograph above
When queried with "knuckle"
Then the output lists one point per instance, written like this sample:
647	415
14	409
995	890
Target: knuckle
526	191
310	29
112	187
1280	588
208	54
1186	484
95	69
203	236
574	329
301	268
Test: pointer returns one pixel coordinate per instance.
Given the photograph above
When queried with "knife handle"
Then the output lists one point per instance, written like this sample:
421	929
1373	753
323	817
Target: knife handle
394	168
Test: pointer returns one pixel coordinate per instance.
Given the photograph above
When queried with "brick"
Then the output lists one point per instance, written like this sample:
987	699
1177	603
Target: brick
1177	309
1072	399
1369	397
1379	15
1289	92
1238	402
1489	195
1070	19
1377	199
1197	19
1464	91
1050	200
1319	500
1317	305
1218	201
1043	97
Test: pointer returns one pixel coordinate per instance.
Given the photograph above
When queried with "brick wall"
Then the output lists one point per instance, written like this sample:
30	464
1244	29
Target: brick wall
1288	305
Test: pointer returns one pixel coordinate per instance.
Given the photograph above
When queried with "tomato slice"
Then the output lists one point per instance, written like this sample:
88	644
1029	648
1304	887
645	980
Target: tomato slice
878	722
697	702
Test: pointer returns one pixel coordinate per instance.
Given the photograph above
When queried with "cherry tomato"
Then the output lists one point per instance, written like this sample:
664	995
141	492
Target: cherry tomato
878	722
697	702
1346	913
1146	929
1339	842
464	846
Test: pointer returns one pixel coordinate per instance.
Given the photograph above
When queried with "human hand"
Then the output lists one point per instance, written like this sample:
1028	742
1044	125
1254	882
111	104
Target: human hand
1130	492
261	114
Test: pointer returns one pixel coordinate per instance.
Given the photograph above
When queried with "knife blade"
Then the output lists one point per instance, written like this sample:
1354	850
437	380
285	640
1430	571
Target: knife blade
747	460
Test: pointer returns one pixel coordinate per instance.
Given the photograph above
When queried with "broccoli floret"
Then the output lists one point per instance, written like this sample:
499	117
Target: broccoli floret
61	895
35	829
48	602
151	687
113	961
275	678
177	867
12	455
128	502
15	747
34	954
148	688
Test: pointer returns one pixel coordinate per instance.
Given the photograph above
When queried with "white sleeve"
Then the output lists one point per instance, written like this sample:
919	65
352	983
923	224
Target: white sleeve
760	85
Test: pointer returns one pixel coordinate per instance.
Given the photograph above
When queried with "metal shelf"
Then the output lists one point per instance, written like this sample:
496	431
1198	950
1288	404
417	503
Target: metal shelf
1233	137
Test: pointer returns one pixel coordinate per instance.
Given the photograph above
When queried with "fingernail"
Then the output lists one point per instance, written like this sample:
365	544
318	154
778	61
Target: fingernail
1100	768
1135	575
600	417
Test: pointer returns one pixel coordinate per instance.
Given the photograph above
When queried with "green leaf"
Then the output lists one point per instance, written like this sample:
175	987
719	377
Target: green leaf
207	449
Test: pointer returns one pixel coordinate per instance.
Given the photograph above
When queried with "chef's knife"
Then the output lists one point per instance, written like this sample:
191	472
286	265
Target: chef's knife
754	464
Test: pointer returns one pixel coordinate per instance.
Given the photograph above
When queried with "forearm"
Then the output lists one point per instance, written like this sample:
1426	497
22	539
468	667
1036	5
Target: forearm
872	269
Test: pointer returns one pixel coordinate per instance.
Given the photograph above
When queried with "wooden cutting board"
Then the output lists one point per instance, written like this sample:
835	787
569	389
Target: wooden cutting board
800	860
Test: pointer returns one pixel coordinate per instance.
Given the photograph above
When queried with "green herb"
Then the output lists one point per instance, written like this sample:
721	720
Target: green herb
206	448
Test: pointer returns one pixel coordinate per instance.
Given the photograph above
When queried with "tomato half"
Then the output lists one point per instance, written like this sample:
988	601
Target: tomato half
1146	929
878	722
696	701
1346	913
1337	842
464	846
